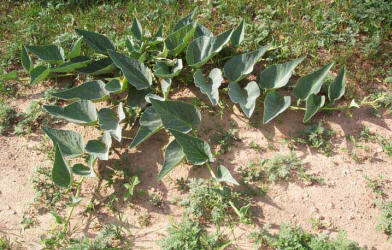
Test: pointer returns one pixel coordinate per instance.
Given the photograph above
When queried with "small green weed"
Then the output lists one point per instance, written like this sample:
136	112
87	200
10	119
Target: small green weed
385	220
317	136
376	185
253	178
224	139
5	243
8	117
144	219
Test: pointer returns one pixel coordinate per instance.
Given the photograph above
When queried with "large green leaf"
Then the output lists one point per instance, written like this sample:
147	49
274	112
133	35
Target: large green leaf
245	97
76	49
337	88
197	151
109	121
215	79
70	66
203	48
274	105
177	115
238	34
201	30
99	67
168	68
38	74
277	76
116	86
312	83
49	53
136	29
240	66
177	41
93	91
136	98
61	173
100	148
70	142
80	112
313	104
185	20
173	156
97	42
150	123
26	60
137	74
224	175
83	170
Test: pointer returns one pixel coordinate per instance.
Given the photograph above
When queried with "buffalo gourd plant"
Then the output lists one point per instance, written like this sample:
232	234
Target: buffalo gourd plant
141	80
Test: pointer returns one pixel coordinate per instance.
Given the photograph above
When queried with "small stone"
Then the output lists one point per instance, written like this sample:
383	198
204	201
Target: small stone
330	205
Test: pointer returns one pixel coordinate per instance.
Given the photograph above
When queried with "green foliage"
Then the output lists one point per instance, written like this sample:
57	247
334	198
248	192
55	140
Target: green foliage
385	220
7	117
317	136
191	235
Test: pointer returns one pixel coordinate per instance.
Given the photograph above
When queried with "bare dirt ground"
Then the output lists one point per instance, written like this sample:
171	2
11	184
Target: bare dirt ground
343	202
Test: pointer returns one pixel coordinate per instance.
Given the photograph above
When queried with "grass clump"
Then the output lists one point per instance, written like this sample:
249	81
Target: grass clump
189	234
295	238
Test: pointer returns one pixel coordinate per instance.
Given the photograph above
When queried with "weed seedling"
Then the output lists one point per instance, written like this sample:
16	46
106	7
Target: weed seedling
318	137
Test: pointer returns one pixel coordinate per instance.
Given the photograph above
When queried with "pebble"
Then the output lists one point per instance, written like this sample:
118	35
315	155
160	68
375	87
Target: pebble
330	205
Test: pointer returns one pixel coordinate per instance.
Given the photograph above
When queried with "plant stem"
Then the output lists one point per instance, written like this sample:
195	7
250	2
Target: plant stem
66	222
221	188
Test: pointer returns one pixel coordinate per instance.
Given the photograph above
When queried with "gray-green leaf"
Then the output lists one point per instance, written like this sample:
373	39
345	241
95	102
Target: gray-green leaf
83	170
61	173
97	42
150	123
224	175
136	29
49	53
70	66
312	83
137	74
168	68
313	104
197	151
238	34
38	74
177	41
277	76
136	98
245	97
203	48
173	156
201	30
26	60
240	66
99	67
108	121
337	88
215	79
76	49
70	142
177	115
100	148
116	86
165	86
93	91
81	112
185	20
274	105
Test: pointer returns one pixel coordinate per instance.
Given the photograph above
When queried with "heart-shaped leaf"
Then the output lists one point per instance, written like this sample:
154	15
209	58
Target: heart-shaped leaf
240	66
337	88
238	34
26	60
48	53
201	30
313	104
38	74
245	97
100	148
168	68
93	91
97	42
61	173
99	67
274	105
185	20
80	112
197	151
177	41
70	66
277	76
150	123
224	175
76	49
136	29
177	115
70	142
215	79
203	48
109	121
137	74
173	156
311	84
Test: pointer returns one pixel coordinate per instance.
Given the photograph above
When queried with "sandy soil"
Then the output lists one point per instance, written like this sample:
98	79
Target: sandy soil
344	202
